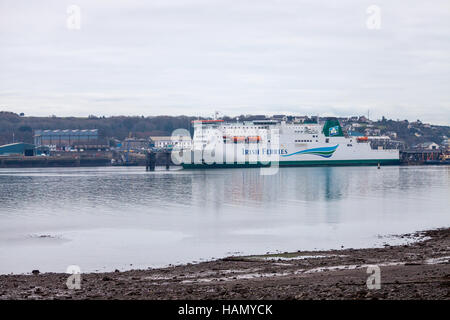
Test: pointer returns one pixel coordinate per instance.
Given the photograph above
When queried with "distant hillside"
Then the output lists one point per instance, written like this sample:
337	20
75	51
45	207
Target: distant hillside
413	133
120	127
117	127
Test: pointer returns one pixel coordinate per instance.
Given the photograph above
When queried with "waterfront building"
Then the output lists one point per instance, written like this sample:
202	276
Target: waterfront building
134	144
17	149
68	139
162	142
429	146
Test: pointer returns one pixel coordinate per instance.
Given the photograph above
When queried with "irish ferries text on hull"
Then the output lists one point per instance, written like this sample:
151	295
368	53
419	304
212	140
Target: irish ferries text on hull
267	142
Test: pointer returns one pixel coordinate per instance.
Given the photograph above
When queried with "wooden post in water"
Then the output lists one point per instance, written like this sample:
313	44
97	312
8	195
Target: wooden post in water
167	160
150	161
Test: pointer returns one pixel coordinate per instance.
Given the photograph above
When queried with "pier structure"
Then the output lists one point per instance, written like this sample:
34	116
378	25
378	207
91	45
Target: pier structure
421	156
150	159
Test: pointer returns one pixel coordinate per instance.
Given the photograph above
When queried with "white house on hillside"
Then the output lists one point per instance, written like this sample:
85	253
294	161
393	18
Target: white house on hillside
184	142
429	146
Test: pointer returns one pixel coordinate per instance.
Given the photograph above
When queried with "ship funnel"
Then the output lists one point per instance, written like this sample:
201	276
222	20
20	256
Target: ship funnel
332	128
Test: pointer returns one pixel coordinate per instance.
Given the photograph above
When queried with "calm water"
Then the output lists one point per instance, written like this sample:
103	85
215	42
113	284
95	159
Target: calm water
108	218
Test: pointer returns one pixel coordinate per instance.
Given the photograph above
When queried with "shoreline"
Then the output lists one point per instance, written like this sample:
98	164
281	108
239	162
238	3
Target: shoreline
418	270
103	162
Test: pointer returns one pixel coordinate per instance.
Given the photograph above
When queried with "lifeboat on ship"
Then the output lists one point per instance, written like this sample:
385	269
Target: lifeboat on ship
238	139
362	139
254	139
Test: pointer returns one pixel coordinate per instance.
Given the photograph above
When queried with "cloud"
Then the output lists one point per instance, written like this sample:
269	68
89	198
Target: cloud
194	57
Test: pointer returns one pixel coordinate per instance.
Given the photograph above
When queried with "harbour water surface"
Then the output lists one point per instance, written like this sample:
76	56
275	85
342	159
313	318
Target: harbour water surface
109	218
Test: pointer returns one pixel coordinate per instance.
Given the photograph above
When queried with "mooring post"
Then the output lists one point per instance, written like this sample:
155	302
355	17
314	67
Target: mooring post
167	160
150	161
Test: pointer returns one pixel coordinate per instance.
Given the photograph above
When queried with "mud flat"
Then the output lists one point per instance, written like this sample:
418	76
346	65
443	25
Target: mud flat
420	270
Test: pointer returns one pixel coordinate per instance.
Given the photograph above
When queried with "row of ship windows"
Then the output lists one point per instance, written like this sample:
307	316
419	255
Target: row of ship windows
246	128
305	141
314	135
263	127
252	128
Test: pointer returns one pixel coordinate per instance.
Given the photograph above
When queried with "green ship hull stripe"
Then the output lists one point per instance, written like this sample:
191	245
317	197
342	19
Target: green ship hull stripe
364	162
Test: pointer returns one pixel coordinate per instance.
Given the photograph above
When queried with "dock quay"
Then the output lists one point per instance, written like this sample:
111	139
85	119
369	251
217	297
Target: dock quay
149	159
424	157
163	157
53	161
153	157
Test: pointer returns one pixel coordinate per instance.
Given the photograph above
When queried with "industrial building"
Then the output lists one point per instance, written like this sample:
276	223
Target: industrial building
17	149
66	139
134	144
159	142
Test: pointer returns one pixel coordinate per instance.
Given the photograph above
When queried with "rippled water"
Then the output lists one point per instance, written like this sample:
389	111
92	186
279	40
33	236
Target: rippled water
107	218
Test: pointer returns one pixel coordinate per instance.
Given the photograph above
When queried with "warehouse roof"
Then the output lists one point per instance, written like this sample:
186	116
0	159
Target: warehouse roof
68	132
15	148
18	144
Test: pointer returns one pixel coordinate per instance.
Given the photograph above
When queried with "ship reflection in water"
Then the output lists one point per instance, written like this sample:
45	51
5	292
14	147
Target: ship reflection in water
122	218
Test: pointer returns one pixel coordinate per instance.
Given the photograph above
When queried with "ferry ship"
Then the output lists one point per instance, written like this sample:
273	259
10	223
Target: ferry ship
259	143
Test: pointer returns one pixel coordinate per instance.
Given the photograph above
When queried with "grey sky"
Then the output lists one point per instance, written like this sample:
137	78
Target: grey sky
196	56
